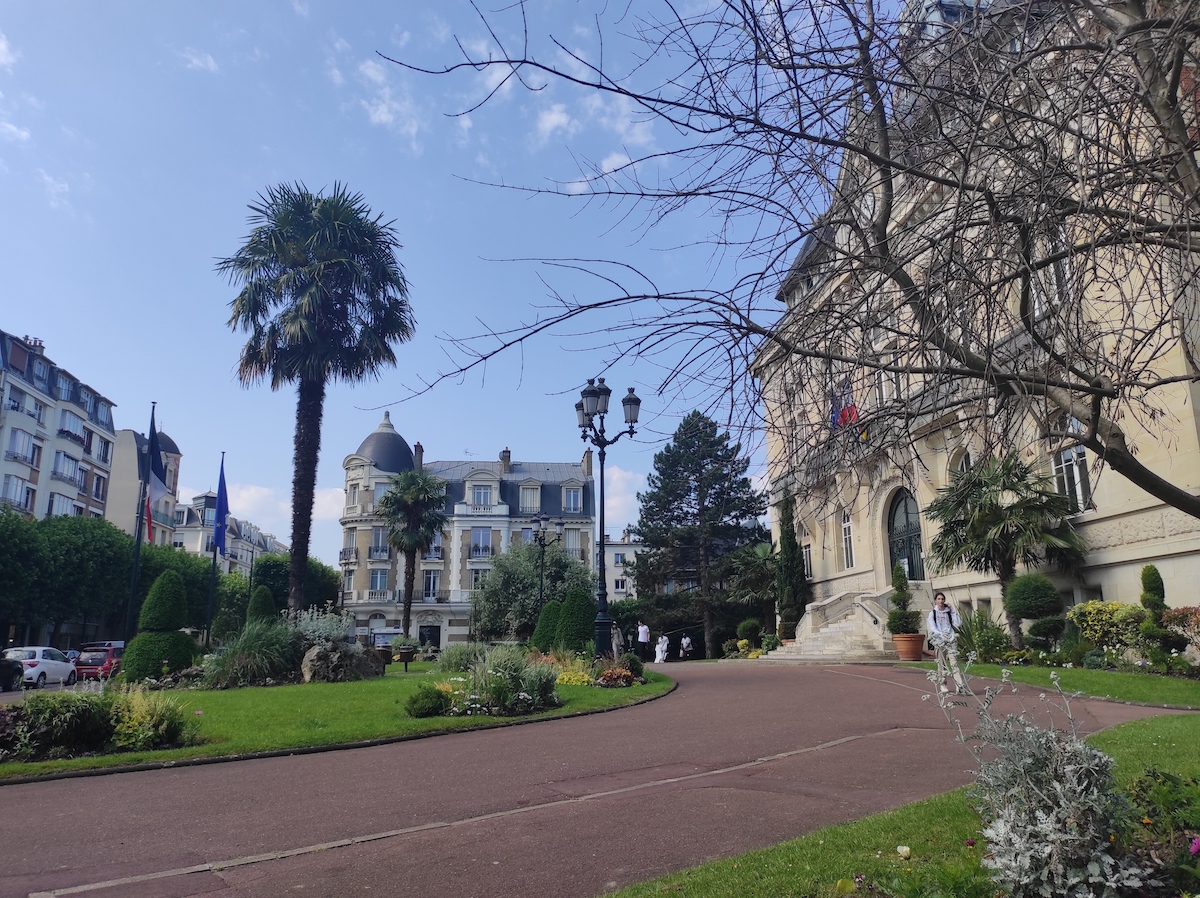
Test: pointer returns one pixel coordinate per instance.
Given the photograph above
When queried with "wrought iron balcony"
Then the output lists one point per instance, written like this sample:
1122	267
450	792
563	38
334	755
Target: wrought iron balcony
348	554
434	553
379	553
441	596
76	479
482	551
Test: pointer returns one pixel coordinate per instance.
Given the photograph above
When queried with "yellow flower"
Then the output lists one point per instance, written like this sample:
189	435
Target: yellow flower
1147	821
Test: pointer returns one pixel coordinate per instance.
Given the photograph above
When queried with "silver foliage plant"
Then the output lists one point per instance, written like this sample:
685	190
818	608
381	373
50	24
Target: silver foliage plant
324	627
1052	815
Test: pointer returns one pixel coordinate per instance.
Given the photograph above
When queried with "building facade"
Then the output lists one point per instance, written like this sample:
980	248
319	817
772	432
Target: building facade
57	434
619	558
193	533
490	506
129	471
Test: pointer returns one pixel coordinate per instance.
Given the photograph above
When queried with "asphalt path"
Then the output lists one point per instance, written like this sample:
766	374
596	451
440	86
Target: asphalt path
738	757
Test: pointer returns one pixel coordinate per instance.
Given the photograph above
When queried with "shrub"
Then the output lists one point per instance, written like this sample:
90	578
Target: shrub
770	642
633	664
1159	641
547	626
751	630
1185	622
787	626
983	636
150	652
576	625
614	678
262	605
575	678
537	686
1111	625
165	607
1032	596
64	724
1046	632
143	720
900	619
459	656
504	682
323	626
264	650
427	701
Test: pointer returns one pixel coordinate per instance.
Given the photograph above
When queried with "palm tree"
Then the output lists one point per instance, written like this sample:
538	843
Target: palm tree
414	509
1000	513
323	299
754	571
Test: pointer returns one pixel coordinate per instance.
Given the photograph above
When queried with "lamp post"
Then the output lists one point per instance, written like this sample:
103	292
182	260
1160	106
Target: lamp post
590	411
542	537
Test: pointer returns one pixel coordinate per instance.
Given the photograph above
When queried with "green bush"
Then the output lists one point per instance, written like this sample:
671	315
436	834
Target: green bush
787	626
65	724
144	720
547	627
1111	625
770	642
576	625
1045	632
983	636
264	650
1032	596
165	607
900	619
262	605
633	664
459	656
750	629
151	651
1158	641
427	701
538	682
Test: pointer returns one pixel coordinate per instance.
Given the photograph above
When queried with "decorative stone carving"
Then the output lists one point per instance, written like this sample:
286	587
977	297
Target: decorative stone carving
1103	535
1176	523
1141	528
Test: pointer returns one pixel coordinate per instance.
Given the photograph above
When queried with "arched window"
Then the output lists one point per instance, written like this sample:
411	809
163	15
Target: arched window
376	621
904	535
964	462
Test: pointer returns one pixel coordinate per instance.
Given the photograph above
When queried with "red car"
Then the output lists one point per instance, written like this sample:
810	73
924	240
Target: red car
99	662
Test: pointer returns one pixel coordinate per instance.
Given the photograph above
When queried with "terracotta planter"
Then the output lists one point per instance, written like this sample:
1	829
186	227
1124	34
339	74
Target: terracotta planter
910	646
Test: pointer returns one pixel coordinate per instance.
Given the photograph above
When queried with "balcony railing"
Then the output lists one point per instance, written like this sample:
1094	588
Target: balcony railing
76	479
471	508
18	504
351	510
348	554
71	435
434	553
379	595
167	520
441	596
22	457
482	551
529	509
379	553
580	554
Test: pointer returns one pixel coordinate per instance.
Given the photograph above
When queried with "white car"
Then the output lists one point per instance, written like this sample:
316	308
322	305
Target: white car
43	665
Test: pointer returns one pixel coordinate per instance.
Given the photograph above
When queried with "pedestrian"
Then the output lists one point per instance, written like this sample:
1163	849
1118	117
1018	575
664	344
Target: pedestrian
660	650
643	642
685	647
943	620
618	641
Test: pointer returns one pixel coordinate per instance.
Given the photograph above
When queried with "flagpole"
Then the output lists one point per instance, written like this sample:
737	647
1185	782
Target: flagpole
139	518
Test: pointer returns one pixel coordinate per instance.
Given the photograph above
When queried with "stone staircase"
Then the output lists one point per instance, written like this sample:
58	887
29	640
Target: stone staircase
847	628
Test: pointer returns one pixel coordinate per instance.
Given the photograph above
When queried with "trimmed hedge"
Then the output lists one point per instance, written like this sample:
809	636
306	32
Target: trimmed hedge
147	653
576	622
547	626
262	605
1032	596
165	607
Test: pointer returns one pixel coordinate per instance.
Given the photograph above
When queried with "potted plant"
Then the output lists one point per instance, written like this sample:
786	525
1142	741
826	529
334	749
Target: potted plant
903	624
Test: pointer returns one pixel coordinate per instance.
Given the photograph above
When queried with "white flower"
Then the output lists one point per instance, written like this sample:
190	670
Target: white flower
904	851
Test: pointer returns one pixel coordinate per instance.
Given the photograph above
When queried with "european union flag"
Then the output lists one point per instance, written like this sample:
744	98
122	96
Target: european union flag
222	511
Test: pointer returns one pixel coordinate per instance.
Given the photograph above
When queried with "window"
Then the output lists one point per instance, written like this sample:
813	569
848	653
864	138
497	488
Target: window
618	557
104	453
380	489
64	386
379	579
20	446
99	488
348	537
435	549
573	500
526	535
806	551
348	581
889	385
102	414
904	536
964	463
478	575
1071	477
17	493
481	494
352	494
180	515
847	541
66	468
619	585
481	542
70	425
16	400
531	499
432	584
378	537
87	399
376	621
571	543
60	504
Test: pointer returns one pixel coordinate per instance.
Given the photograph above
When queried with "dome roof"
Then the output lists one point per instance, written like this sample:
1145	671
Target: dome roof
387	449
167	445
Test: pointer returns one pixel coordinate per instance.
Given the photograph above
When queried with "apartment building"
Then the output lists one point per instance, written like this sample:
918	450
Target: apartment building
619	557
192	531
129	471
57	434
490	506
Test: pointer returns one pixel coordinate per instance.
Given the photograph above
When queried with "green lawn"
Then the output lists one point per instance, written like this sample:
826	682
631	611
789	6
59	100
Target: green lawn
1149	689
237	721
937	829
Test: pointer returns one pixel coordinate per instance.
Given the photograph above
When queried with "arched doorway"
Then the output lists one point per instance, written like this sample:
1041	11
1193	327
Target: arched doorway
904	535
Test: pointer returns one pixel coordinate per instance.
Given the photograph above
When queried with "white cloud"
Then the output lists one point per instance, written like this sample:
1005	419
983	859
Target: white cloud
195	59
56	190
400	38
341	45
613	161
335	74
301	9
393	109
373	72
8	56
620	499
556	118
9	131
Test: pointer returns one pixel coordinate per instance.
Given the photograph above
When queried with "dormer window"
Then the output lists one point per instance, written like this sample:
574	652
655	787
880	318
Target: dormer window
481	494
572	500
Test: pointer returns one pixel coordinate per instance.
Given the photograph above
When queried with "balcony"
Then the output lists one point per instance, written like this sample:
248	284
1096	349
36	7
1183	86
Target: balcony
18	504
22	457
379	553
348	554
529	509
434	553
482	551
71	435
75	479
161	517
351	510
441	597
380	595
580	554
463	509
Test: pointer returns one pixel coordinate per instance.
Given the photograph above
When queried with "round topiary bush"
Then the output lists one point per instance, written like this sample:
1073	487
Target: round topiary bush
151	651
262	605
750	629
165	607
1046	631
633	664
427	701
1032	596
576	621
547	626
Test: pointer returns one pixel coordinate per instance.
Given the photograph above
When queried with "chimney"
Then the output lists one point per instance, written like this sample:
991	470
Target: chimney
418	456
505	461
587	462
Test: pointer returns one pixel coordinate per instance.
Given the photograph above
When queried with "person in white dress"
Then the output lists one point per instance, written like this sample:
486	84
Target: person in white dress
660	650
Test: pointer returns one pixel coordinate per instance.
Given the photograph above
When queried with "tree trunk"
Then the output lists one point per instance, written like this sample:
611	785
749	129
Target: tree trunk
1006	573
711	649
309	409
410	579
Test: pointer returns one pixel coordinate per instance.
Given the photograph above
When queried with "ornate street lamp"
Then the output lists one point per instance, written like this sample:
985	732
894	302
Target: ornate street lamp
590	411
542	537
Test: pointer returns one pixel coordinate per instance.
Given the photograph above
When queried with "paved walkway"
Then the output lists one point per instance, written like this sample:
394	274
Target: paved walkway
738	757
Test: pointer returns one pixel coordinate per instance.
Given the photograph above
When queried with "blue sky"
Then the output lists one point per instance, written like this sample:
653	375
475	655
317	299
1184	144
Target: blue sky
134	134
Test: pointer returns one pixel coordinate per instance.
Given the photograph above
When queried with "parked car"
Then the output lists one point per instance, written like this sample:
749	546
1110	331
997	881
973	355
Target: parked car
12	675
100	662
72	654
43	665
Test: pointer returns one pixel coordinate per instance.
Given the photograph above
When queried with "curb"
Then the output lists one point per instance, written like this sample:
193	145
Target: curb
316	749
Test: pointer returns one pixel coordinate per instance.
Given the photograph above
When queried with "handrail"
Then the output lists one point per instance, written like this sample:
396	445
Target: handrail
873	618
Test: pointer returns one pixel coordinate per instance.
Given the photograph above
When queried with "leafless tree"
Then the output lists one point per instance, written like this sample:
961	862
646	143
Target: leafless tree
982	214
